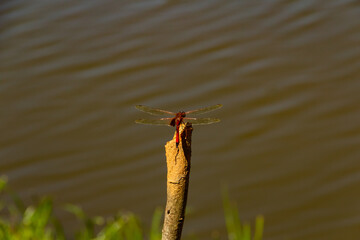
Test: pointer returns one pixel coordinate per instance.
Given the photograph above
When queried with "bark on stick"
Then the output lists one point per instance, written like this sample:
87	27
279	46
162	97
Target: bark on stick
178	172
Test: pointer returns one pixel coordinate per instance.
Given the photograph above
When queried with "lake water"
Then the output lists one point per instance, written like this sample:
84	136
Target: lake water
287	73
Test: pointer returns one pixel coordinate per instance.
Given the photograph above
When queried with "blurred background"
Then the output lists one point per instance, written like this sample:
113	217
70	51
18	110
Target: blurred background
287	73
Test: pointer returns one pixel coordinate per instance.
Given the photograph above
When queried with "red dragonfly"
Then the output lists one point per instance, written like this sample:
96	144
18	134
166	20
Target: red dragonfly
177	118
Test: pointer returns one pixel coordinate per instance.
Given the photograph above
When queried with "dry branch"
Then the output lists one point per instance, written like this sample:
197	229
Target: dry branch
178	172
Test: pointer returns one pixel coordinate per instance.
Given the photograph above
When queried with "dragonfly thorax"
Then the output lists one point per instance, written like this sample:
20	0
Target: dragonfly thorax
178	119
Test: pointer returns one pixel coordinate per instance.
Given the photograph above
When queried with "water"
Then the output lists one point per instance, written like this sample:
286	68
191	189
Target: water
287	73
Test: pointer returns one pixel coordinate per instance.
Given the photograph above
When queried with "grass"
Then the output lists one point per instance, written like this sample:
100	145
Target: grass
237	230
20	222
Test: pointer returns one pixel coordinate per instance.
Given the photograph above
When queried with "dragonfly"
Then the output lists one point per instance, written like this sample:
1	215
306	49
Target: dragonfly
177	118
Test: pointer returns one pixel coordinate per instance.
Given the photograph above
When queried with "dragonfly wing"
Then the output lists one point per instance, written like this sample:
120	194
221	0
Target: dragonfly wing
154	111
202	121
154	121
204	110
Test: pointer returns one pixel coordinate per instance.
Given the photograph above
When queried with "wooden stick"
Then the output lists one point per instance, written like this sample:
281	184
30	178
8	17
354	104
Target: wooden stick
178	172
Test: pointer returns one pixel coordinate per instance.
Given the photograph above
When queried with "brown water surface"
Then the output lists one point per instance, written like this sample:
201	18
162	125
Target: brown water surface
287	73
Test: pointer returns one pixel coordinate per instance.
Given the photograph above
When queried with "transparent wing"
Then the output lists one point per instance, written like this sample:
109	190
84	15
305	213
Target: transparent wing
204	110
201	121
153	111
163	121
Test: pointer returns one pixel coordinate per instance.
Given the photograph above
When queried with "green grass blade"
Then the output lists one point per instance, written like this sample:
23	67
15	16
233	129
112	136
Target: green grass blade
236	230
246	232
132	231
232	221
259	227
155	230
3	183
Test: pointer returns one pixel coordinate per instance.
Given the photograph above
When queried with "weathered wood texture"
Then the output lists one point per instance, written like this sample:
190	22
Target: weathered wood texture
178	172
